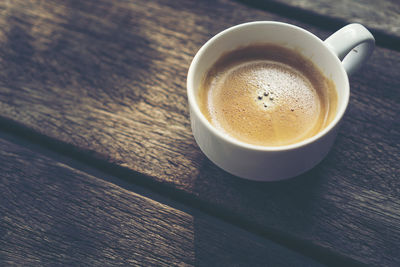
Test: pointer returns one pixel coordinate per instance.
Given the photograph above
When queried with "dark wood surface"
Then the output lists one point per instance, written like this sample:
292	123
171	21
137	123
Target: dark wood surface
53	213
382	18
104	82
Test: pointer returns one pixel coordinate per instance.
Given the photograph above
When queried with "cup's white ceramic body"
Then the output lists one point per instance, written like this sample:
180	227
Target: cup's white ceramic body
276	163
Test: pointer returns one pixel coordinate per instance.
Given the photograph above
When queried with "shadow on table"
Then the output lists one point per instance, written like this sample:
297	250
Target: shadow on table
275	210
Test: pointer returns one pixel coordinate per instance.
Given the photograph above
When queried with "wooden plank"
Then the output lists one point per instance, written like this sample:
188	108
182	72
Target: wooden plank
108	79
382	18
55	214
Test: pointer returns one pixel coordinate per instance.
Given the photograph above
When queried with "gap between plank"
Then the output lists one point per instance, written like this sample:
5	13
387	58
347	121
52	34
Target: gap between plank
324	22
87	162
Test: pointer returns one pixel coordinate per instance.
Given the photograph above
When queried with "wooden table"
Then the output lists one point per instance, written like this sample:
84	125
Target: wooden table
98	165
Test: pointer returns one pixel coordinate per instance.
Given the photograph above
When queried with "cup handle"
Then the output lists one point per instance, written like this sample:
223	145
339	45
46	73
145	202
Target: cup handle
353	44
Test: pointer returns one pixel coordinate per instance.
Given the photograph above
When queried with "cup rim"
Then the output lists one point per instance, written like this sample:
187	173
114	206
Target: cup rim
194	105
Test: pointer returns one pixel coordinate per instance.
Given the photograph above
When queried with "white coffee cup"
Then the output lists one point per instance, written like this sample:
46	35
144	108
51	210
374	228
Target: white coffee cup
353	44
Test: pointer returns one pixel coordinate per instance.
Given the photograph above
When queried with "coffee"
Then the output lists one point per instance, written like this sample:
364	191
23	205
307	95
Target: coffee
268	95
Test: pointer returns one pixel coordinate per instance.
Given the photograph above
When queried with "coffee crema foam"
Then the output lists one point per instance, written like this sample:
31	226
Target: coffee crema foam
267	95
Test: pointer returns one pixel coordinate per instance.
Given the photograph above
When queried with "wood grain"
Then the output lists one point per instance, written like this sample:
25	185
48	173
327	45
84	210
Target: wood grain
55	214
382	18
107	78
